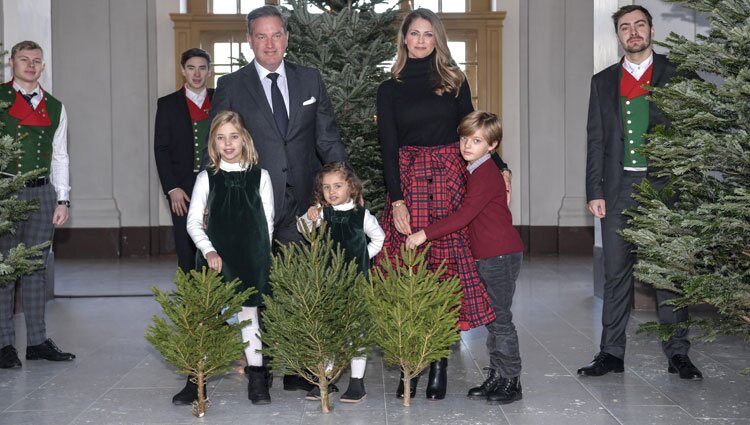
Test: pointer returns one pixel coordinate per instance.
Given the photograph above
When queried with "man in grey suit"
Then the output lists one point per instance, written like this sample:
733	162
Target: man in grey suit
287	111
620	116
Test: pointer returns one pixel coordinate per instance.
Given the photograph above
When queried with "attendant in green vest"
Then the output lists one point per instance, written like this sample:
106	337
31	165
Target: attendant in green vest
620	116
237	239
181	129
335	190
41	118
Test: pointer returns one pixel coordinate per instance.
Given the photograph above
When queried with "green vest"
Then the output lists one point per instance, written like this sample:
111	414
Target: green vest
634	127
36	141
200	134
347	229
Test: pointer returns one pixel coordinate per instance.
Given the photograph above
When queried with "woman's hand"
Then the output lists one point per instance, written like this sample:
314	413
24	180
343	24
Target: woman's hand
401	218
214	261
416	239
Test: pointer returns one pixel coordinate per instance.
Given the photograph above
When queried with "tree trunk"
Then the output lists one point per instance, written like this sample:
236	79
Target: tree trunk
200	405
325	398
407	388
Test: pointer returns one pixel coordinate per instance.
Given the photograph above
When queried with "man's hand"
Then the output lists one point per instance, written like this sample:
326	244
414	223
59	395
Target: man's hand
60	215
596	206
402	219
416	239
214	261
508	189
313	213
179	200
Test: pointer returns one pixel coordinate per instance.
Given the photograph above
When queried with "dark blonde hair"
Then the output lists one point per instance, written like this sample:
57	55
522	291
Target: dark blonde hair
25	45
355	184
447	76
248	156
487	123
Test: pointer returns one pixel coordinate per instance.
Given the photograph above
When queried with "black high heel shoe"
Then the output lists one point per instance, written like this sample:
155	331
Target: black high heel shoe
412	383
438	380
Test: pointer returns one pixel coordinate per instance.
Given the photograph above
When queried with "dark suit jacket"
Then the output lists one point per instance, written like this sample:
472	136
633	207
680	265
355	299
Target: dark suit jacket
173	142
605	134
312	136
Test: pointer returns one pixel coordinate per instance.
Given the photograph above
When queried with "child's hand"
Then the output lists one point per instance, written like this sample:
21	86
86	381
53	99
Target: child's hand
214	261
313	213
416	239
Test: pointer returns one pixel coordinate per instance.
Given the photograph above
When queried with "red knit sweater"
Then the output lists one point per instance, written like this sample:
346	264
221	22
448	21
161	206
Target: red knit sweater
485	210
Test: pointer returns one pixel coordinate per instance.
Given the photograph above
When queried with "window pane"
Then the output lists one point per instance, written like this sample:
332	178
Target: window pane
245	49
247	5
382	7
222	52
222	69
224	6
458	51
450	6
428	4
310	7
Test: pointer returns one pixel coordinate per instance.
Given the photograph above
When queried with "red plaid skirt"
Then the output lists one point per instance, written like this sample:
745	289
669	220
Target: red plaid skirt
433	180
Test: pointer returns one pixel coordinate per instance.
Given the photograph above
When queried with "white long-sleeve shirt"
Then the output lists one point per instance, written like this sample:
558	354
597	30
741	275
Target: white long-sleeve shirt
370	226
198	205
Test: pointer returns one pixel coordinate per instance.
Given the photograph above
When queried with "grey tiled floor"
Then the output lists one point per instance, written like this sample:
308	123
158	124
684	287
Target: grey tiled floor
119	379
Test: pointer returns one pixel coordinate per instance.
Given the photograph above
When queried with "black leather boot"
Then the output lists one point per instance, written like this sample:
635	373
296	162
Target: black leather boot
188	394
438	380
412	383
506	391
356	391
480	392
259	380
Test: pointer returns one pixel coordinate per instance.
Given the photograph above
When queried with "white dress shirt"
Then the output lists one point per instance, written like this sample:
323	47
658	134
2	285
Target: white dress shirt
59	172
371	227
197	98
200	197
281	82
637	70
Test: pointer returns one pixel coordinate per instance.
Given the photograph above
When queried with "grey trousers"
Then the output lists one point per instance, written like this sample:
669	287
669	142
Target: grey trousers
36	229
618	287
499	275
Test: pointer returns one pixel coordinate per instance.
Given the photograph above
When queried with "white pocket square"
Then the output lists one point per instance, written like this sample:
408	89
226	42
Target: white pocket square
309	101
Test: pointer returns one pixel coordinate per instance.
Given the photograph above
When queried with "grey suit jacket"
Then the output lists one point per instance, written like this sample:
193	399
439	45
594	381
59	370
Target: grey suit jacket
605	150
312	137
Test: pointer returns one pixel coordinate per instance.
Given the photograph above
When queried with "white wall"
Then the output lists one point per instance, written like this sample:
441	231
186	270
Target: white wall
16	18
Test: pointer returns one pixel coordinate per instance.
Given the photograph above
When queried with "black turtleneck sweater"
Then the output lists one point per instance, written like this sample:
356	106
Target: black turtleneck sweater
411	114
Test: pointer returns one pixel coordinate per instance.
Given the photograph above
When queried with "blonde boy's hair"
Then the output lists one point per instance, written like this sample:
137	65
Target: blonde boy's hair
249	155
487	123
25	45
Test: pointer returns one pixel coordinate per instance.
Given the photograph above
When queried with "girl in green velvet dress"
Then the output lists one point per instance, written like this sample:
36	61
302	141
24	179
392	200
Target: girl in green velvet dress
357	231
237	239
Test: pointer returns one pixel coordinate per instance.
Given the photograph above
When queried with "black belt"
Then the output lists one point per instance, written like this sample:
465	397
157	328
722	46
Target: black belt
41	181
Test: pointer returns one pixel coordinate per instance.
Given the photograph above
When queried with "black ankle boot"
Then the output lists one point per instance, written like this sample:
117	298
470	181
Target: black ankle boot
314	393
356	391
438	380
506	391
188	394
480	392
412	383
259	380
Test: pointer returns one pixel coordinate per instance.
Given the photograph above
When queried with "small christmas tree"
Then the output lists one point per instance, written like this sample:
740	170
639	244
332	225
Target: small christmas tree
414	313
697	243
316	320
348	43
197	340
21	259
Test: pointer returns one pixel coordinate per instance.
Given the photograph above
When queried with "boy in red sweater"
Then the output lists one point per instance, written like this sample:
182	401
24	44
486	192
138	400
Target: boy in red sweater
497	249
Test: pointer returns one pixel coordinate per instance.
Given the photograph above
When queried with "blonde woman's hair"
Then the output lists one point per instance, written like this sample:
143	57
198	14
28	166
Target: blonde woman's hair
249	155
355	184
485	122
447	75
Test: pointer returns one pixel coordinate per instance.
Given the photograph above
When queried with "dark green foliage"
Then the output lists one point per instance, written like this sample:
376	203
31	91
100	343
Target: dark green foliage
316	320
414	313
193	336
697	244
347	43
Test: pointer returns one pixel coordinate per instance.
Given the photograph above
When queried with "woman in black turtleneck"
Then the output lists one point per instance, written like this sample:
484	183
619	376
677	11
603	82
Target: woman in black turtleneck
419	110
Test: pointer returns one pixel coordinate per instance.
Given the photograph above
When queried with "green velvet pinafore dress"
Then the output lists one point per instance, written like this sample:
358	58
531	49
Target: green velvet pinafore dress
347	228
237	228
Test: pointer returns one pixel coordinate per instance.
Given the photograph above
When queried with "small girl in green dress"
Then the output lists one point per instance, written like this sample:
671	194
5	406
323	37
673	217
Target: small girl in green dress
237	239
335	189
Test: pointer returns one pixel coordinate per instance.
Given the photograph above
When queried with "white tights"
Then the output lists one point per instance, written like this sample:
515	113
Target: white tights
251	334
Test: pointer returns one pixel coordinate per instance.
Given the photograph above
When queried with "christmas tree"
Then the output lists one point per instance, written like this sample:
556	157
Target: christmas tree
21	259
316	320
348	43
414	313
196	339
693	237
